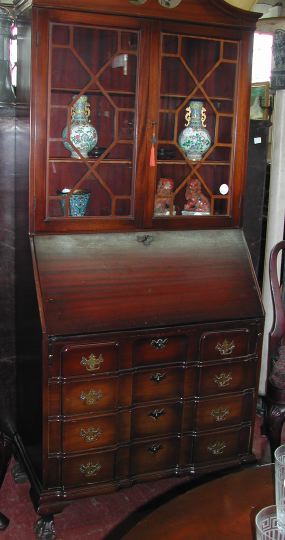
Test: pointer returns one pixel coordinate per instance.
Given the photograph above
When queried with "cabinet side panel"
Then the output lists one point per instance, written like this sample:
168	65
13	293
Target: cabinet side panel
27	321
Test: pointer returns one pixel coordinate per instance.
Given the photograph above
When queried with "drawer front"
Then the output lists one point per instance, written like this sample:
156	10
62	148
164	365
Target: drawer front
228	377
160	349
154	456
88	469
89	433
218	446
161	419
157	384
226	344
91	359
91	396
224	411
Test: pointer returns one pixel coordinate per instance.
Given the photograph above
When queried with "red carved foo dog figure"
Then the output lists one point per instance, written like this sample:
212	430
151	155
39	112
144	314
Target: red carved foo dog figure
164	197
196	201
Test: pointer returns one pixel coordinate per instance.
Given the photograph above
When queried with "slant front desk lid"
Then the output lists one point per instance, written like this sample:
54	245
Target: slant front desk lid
99	282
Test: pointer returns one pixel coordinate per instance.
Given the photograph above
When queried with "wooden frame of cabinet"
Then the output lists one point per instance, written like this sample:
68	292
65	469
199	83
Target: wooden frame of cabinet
143	340
231	168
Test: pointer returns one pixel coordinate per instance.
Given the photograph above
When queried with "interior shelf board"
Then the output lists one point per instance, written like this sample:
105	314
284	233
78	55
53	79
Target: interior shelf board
90	158
78	90
202	98
184	162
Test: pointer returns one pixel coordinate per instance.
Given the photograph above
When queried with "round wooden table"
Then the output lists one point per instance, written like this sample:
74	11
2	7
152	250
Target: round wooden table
221	509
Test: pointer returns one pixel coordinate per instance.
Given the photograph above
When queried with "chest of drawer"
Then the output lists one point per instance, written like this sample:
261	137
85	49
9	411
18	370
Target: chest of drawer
157	384
224	411
159	419
90	396
227	377
154	456
88	359
224	344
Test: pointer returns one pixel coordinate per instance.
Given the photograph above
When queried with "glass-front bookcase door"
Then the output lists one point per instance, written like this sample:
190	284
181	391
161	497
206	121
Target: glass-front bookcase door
195	127
93	98
143	124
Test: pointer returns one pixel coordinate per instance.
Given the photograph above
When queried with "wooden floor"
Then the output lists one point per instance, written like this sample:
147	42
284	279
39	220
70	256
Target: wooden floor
105	517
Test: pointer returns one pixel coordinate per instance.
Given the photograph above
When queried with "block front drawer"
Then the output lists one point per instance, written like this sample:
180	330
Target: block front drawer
88	468
226	344
221	445
222	411
158	383
159	419
89	433
155	455
227	377
89	359
160	349
91	396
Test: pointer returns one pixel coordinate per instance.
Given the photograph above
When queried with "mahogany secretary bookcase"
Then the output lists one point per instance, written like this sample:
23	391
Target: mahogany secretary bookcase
143	360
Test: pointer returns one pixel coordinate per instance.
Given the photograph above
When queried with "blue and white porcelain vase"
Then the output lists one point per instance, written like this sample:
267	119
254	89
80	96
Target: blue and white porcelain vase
82	134
195	139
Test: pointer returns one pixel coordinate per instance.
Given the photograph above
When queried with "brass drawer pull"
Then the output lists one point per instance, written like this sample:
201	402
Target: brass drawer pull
156	413
226	348
159	343
92	363
91	397
90	469
90	434
222	380
154	448
158	377
220	414
216	448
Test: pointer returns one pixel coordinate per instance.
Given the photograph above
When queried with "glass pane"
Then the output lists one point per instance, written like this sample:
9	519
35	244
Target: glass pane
230	51
221	82
196	122
175	78
92	115
201	55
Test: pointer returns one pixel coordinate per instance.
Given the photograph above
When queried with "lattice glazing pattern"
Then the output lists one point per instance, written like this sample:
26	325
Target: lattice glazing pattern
100	64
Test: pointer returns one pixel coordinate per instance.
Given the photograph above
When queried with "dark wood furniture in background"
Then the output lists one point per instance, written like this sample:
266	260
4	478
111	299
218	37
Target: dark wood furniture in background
147	360
7	251
275	391
221	509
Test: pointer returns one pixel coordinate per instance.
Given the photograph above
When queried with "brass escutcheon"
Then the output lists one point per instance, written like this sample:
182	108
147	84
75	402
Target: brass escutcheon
91	397
90	469
90	434
92	363
216	448
225	348
220	414
158	377
223	379
156	413
159	343
154	448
